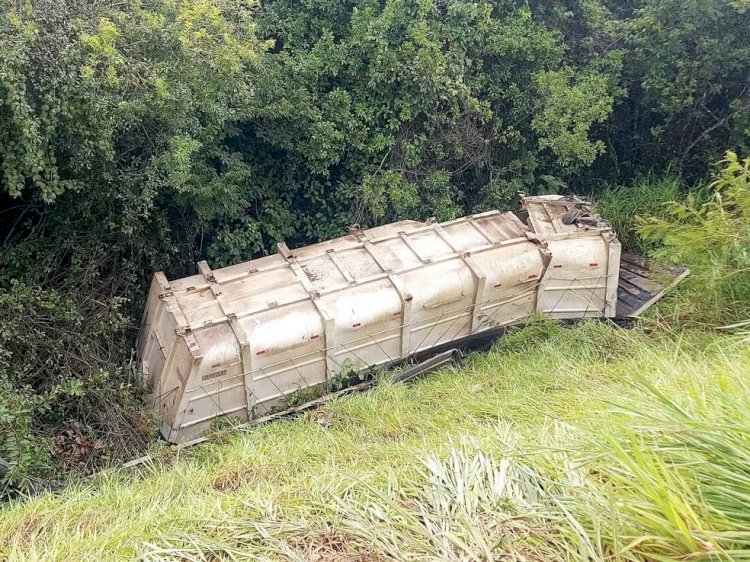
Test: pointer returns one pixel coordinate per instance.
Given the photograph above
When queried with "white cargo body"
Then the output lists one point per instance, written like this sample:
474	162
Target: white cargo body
241	340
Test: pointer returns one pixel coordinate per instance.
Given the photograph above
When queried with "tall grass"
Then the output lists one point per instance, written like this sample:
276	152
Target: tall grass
680	473
710	232
561	444
620	205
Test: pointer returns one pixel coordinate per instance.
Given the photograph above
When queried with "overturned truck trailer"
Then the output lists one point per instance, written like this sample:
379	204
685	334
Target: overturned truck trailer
243	340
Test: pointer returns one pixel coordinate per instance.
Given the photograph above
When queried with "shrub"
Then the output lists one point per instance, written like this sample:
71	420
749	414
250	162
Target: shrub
709	231
54	347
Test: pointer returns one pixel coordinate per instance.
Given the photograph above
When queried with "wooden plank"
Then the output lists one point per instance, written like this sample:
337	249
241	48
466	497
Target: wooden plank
648	267
641	282
656	273
636	292
638	289
631	300
636	269
640	261
624	310
655	270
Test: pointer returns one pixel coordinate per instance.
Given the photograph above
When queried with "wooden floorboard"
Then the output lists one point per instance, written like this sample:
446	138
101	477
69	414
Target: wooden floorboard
638	288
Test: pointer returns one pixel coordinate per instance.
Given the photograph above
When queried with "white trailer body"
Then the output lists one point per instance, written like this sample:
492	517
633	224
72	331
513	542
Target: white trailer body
241	340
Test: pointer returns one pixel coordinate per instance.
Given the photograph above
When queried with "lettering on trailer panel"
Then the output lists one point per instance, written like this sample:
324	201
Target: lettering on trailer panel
214	375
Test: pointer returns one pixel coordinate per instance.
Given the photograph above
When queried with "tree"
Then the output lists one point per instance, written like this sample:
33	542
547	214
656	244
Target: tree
113	119
688	77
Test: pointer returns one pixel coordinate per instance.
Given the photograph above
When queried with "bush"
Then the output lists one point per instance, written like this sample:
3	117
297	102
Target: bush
54	349
709	231
22	452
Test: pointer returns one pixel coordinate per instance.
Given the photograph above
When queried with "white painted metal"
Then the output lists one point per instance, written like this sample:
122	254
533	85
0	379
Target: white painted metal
242	340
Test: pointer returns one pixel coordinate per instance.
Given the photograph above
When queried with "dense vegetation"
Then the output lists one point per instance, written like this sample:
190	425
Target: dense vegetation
148	134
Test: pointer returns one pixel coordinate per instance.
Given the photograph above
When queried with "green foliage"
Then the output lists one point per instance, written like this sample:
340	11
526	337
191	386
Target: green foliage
621	205
682	473
125	109
53	347
148	134
710	232
394	111
687	71
23	451
572	105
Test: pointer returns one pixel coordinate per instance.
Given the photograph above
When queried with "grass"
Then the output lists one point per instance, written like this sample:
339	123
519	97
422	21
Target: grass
560	444
622	204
